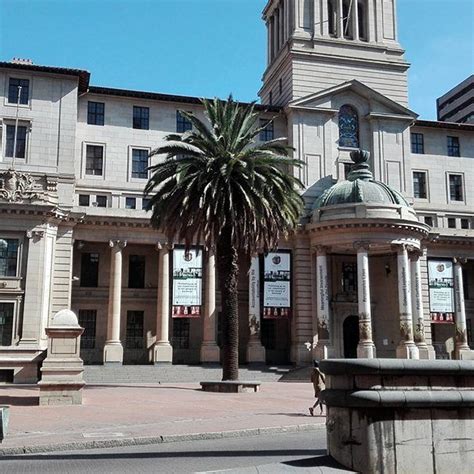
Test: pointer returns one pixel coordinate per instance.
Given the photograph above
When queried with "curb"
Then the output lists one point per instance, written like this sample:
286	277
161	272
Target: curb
143	441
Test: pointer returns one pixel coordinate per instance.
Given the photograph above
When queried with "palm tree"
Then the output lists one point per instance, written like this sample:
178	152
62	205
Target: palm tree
220	187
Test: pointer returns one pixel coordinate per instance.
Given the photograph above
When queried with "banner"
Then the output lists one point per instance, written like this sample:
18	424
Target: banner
277	285
441	288
187	283
254	296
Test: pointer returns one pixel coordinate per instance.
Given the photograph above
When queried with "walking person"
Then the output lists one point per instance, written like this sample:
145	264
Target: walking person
318	381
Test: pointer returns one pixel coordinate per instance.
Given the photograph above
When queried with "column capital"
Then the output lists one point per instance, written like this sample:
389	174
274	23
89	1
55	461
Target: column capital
120	244
35	234
320	249
414	253
362	245
163	245
402	247
460	260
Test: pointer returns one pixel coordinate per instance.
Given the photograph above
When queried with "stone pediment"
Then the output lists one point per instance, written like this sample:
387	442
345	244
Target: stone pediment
19	187
375	104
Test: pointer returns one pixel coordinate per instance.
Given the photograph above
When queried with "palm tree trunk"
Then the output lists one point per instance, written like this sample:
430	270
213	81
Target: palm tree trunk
228	270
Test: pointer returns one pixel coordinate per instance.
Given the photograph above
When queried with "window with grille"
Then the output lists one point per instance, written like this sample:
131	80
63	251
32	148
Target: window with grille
87	320
182	123
21	134
134	335
348	127
455	187
9	257
136	271
139	163
417	143
141	118
267	133
181	333
13	86
94	160
419	184
95	113
453	146
6	323
89	270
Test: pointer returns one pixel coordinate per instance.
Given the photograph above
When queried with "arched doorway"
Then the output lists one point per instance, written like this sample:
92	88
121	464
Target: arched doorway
350	331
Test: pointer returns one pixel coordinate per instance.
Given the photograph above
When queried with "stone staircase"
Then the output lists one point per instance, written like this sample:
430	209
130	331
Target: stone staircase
143	374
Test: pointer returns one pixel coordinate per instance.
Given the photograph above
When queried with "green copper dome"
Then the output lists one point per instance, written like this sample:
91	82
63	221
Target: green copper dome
360	187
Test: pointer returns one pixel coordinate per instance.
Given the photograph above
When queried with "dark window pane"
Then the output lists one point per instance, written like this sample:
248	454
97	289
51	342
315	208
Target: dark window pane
267	133
451	222
141	117
87	320
429	221
95	113
94	160
130	203
136	271
269	333
84	200
13	91
417	143
464	223
101	201
419	184
180	339
6	324
182	123
455	187
20	141
139	163
362	21
145	203
348	127
8	257
349	277
134	335
453	146
332	18
89	270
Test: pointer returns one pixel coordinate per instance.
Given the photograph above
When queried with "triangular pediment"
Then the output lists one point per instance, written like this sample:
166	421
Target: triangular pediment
376	104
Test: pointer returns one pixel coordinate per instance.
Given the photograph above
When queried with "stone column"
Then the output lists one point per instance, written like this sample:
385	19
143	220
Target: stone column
340	20
255	350
366	347
113	349
407	348
322	303
163	351
355	20
210	352
462	345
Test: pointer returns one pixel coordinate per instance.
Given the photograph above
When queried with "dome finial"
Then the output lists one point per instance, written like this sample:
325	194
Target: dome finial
361	169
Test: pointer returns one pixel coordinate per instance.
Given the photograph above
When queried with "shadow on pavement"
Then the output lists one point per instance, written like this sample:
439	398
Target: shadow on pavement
318	461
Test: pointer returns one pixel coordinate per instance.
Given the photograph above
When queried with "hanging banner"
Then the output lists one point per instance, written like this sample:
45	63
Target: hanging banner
277	285
187	283
254	296
441	287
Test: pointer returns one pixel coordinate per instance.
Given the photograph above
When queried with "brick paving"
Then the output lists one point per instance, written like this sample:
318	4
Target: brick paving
124	412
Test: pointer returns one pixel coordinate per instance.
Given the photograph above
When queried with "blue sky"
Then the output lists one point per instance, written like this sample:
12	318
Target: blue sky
213	47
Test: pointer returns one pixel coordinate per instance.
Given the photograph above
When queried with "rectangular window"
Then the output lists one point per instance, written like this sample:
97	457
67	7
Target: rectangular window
181	333
182	123
94	160
130	203
89	270
101	201
139	163
455	187
349	277
417	143
453	146
95	113
6	323
9	257
145	203
429	220
84	200
451	222
87	320
134	335
136	271
13	86
464	223
419	184
267	133
21	133
141	116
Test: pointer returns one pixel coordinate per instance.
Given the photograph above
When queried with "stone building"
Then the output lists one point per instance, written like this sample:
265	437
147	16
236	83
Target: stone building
359	277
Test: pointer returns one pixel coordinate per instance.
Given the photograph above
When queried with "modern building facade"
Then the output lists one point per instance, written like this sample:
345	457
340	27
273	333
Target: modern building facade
382	264
457	105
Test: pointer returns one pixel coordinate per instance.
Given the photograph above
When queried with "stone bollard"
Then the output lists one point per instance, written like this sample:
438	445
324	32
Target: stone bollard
4	417
61	381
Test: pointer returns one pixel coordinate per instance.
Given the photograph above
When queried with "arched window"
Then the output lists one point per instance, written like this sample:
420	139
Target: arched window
361	14
348	127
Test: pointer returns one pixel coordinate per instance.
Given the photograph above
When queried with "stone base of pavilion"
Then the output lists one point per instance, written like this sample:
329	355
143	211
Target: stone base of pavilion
231	386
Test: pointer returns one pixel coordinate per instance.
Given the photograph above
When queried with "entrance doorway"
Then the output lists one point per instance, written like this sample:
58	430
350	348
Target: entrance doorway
350	331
